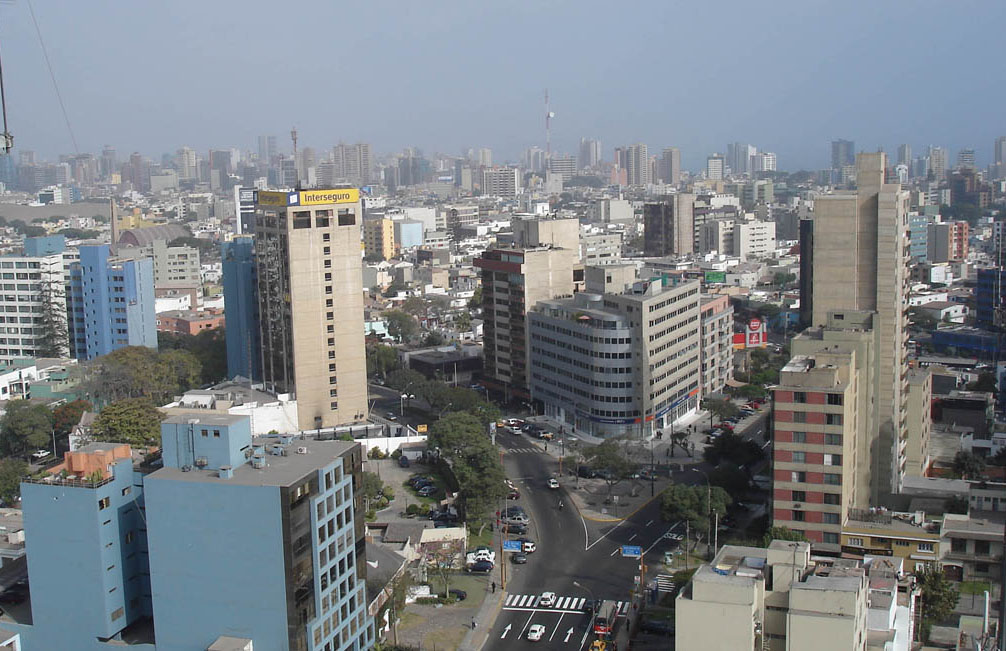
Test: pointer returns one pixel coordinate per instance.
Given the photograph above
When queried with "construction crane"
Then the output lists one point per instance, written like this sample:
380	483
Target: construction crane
7	136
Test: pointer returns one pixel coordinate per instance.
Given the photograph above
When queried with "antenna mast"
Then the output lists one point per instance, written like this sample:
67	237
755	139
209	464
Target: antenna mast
548	130
6	138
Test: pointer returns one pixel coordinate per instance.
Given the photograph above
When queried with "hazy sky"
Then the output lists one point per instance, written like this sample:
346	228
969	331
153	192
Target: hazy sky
442	75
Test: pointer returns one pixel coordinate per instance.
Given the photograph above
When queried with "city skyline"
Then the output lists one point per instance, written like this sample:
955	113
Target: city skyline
192	93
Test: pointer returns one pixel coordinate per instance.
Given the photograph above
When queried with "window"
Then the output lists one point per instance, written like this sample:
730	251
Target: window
321	222
127	490
799	457
799	417
982	548
347	219
833	439
833	479
104	503
833	419
799	516
333	406
832	499
856	542
117	613
835	399
925	547
830	538
799	496
833	459
829	518
799	437
799	396
901	543
798	476
326	237
958	545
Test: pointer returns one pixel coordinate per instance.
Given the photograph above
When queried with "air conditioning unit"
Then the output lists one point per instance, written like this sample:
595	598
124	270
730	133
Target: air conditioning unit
798	506
258	462
201	462
302	450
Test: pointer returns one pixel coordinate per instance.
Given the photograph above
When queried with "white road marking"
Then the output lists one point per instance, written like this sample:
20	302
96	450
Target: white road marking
608	533
556	629
568	633
633	537
649	523
526	624
509	598
673	527
505	631
615	551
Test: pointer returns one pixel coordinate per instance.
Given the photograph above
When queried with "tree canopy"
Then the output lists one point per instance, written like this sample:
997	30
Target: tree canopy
135	371
968	465
208	346
381	360
733	448
782	533
690	503
401	326
610	456
66	416
939	596
12	471
463	441
25	427
135	421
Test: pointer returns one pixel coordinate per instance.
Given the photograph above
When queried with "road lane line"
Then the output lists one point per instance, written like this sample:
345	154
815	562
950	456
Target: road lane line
615	551
672	528
608	533
554	630
526	624
633	537
649	523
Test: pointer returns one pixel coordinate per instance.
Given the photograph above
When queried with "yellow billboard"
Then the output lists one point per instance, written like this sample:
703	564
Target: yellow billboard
271	198
318	197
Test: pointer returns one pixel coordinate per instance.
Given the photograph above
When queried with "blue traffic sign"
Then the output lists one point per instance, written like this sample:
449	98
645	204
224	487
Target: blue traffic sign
511	545
632	551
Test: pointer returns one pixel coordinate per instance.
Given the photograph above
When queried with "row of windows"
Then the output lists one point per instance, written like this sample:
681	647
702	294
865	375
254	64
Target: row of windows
829	459
577	362
829	439
829	419
671	315
832	499
668	330
586	352
575	390
674	299
800	477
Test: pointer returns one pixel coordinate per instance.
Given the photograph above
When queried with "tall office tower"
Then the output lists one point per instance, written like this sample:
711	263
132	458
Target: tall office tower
999	150
287	172
242	332
110	302
716	167
843	152
764	161
920	167
639	329
501	182
379	238
562	166
904	154
938	162
513	280
308	161
38	298
185	163
485	157
534	159
109	163
861	263
966	159
137	172
274	554
669	226
670	166
590	153
637	164
308	270
739	157
266	148
353	163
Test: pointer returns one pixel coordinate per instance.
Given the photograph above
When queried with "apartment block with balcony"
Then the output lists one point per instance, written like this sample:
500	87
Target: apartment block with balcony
974	548
879	532
717	352
816	445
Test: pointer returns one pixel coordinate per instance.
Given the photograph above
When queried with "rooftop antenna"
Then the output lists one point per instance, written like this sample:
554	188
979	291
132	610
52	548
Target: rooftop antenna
296	161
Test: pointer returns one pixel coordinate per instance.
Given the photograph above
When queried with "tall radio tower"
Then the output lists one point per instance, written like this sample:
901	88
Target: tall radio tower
548	130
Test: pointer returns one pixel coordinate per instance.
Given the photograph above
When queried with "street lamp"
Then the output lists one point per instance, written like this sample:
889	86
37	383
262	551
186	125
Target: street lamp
709	514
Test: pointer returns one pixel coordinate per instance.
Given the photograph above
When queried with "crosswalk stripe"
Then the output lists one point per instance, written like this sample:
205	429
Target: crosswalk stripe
563	602
579	603
523	600
509	599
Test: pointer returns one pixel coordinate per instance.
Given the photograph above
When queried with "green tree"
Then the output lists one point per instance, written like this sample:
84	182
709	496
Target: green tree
782	533
921	320
79	234
66	416
381	360
54	338
968	465
611	459
781	278
720	408
25	427
433	339
208	346
730	478
135	421
939	596
694	504
475	302
135	371
401	326
414	306
986	382
405	379
751	391
733	448
463	322
394	288
207	248
12	471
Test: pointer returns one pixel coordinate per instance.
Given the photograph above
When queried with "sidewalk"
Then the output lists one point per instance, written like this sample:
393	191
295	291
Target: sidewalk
486	617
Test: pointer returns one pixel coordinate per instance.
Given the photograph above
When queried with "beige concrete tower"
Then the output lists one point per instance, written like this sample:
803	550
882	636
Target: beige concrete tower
310	298
860	263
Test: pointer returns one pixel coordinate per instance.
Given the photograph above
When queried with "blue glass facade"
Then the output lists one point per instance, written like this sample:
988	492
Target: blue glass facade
37	247
110	303
243	347
918	235
989	294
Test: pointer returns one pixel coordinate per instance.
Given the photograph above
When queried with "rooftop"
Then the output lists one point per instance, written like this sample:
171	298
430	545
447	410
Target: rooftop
300	458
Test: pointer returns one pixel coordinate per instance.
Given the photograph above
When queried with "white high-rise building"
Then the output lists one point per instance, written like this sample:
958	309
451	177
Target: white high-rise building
764	161
637	164
351	164
501	182
715	167
938	162
590	153
185	161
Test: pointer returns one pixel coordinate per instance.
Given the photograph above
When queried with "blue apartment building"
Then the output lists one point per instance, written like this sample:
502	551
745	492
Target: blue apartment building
226	542
243	347
85	540
110	303
918	236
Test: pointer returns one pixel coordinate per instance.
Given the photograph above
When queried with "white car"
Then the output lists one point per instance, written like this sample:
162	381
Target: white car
553	483
547	600
535	633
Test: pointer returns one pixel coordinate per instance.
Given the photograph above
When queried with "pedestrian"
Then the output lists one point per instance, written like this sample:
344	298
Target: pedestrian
494	587
473	624
668	453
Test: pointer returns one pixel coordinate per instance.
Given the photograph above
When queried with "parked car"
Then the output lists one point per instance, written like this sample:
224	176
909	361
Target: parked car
527	546
460	595
536	632
516	518
592	606
518	558
546	435
586	472
514	422
391	416
426	491
513	495
516	528
481	567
